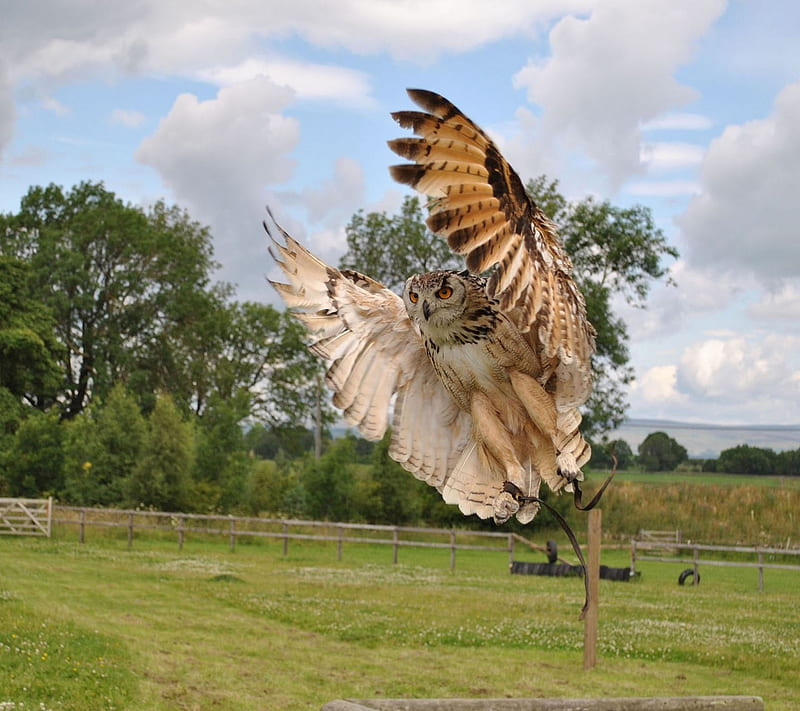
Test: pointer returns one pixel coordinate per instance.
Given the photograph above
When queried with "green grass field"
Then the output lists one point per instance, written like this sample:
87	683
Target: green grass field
101	627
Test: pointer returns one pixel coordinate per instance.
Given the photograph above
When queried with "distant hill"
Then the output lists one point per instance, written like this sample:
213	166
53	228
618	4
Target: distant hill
706	441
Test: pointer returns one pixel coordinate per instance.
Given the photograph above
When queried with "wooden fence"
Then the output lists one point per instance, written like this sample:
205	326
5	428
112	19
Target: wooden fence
695	548
26	517
285	530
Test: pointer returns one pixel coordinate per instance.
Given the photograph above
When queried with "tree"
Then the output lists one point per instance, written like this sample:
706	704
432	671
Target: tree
296	396
29	351
118	280
391	249
103	446
614	250
602	455
222	463
660	453
744	459
162	477
394	499
34	462
329	482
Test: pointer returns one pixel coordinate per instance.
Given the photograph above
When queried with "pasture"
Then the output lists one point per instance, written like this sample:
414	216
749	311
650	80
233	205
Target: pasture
97	626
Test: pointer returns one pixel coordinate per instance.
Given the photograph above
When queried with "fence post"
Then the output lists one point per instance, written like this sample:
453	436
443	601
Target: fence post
285	538
339	543
394	546
633	557
82	529
595	532
511	543
233	534
49	515
180	533
452	549
696	566
760	572
130	530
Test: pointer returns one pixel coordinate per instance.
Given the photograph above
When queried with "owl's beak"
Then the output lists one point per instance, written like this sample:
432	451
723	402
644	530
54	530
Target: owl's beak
426	310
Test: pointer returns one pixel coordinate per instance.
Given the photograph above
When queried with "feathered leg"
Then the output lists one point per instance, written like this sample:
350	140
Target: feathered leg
542	411
491	435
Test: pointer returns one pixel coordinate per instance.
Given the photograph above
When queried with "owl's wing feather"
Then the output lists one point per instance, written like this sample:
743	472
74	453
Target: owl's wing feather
374	354
480	206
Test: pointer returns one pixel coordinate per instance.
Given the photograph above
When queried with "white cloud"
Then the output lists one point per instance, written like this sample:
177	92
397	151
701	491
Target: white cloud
746	216
128	118
671	307
667	156
342	195
612	72
662	188
678	121
307	79
54	105
218	157
739	368
656	386
8	113
780	304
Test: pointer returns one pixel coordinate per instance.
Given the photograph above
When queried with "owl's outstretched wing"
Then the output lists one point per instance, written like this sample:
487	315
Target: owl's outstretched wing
374	354
480	206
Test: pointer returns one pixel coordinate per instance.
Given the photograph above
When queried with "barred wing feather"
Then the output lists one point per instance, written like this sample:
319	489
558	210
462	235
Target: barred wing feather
480	206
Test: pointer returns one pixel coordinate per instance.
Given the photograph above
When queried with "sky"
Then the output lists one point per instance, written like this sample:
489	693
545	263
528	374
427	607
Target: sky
689	107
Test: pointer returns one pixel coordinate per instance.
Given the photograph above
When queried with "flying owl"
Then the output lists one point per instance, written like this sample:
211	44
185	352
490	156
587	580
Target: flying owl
480	373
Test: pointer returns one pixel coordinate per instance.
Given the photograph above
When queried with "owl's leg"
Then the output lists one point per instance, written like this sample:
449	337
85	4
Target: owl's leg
542	411
491	435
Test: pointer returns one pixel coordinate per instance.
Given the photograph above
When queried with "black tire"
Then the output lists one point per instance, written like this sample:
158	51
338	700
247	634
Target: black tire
552	551
686	574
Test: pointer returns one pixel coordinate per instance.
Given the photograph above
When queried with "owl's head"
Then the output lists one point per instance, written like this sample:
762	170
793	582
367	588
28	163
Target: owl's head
437	300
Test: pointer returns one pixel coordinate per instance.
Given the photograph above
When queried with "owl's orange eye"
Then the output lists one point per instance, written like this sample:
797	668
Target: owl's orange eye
413	297
445	292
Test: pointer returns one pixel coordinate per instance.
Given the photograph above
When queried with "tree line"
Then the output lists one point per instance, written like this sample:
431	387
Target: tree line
659	452
128	376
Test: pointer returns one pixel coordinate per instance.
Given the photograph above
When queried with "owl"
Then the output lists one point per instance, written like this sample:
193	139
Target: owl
479	373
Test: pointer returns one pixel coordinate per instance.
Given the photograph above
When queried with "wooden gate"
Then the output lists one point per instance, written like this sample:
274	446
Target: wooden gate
26	517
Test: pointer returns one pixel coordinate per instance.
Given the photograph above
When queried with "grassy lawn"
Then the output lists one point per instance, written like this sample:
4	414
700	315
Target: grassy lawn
705	478
100	627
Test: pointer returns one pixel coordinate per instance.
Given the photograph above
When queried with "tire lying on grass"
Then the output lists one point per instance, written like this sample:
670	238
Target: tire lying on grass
686	574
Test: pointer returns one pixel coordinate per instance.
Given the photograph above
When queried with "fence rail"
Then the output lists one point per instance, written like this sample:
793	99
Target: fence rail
25	517
696	548
285	530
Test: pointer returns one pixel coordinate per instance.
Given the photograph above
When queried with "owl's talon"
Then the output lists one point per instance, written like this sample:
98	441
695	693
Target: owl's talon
505	506
567	467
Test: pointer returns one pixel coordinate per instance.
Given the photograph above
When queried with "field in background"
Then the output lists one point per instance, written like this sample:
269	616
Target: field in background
100	627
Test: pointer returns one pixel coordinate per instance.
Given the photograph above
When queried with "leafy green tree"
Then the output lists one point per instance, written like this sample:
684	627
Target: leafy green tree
274	442
788	463
162	477
221	452
102	448
395	500
391	249
614	251
34	462
11	413
295	395
744	459
29	351
661	453
329	482
602	455
266	488
120	282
